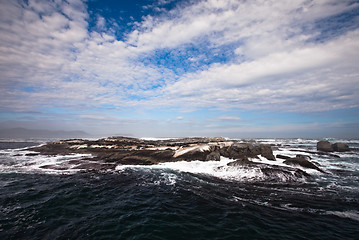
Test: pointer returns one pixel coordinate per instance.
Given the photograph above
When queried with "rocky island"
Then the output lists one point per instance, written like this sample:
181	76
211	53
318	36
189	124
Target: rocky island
108	153
133	151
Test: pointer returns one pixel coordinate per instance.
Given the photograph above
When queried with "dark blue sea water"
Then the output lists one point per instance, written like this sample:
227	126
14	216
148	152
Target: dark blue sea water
180	201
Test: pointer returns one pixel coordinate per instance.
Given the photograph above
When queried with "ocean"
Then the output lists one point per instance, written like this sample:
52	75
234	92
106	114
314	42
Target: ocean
181	200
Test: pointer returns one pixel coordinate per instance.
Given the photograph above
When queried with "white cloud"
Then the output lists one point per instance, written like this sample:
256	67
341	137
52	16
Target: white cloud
276	64
228	118
275	24
96	117
46	45
287	79
101	22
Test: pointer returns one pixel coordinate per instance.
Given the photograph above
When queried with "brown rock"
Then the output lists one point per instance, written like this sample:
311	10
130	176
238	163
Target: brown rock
324	146
302	162
213	156
266	151
282	156
340	147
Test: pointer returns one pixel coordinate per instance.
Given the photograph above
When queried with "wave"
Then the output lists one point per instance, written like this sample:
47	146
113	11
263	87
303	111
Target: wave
221	169
22	161
352	214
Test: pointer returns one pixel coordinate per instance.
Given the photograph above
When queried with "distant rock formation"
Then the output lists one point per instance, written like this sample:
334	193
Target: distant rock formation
107	153
340	147
326	146
126	150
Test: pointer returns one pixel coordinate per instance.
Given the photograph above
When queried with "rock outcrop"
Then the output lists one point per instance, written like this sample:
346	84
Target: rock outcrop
282	156
271	172
326	146
266	151
340	147
132	151
239	150
108	153
303	162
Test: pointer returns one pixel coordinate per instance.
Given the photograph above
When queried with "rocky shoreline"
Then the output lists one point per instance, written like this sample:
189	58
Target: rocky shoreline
133	151
107	153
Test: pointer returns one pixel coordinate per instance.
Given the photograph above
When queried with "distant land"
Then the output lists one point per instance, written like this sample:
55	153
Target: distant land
40	133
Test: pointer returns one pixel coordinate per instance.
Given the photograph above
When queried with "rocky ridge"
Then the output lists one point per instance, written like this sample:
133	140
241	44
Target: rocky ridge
133	151
107	153
326	146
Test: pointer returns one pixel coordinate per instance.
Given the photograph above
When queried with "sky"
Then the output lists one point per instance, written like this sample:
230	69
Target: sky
175	68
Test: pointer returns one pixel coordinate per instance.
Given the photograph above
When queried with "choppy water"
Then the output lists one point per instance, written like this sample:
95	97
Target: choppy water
183	200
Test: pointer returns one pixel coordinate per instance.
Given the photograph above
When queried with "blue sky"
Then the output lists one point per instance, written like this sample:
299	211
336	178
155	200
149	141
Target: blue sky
171	68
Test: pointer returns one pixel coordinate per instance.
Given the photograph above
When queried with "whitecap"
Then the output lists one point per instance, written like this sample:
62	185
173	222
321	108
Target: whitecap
213	168
21	162
220	169
351	214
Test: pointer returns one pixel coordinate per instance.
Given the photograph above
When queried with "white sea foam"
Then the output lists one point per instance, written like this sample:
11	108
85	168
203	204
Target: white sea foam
167	178
218	169
354	215
280	162
20	161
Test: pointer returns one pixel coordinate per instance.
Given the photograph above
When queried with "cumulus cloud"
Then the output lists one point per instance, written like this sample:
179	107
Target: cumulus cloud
47	46
284	78
256	54
280	61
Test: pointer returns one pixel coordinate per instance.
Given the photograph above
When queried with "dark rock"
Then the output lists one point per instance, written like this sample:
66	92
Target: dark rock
324	146
316	152
266	151
302	162
213	156
242	162
32	154
147	157
240	150
77	161
283	174
282	156
303	156
136	160
224	151
95	166
316	163
340	147
55	167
